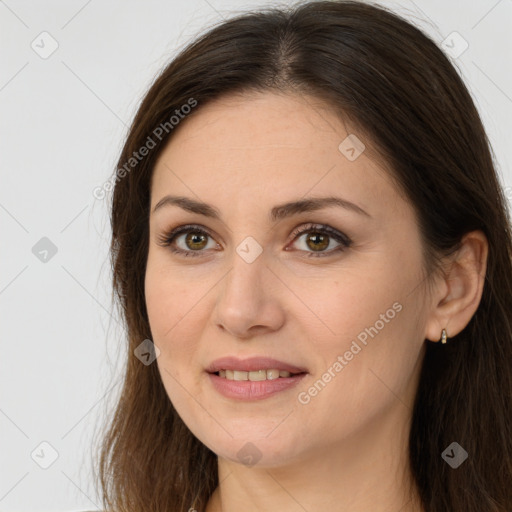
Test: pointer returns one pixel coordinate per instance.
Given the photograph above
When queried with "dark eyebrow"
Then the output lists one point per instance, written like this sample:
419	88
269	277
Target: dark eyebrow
279	212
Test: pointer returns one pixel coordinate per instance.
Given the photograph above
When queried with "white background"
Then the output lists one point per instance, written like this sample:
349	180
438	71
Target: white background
63	120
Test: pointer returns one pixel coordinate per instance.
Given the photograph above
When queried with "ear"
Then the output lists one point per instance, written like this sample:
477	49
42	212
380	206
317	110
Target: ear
456	295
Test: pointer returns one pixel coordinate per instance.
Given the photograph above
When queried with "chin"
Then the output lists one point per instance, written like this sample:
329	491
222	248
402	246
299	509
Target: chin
250	447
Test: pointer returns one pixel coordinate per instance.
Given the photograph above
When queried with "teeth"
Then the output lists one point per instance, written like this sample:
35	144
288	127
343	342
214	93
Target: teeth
272	374
257	375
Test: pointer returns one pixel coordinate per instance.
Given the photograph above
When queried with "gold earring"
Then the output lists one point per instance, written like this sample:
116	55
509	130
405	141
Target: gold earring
443	336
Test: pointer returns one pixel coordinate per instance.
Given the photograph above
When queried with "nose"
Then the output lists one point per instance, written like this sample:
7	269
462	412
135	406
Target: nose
249	301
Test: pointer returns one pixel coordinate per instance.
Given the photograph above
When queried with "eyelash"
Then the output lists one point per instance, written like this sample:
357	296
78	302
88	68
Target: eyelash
167	238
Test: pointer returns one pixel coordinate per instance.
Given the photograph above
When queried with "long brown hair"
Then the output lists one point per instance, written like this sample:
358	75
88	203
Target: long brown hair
391	81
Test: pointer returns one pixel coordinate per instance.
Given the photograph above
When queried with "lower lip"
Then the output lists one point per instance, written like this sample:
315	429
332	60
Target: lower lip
253	390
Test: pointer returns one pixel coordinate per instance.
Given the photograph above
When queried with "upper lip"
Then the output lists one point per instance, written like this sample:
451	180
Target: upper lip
252	364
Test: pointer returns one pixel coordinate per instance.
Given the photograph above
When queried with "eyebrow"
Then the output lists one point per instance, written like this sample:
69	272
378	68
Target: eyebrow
278	212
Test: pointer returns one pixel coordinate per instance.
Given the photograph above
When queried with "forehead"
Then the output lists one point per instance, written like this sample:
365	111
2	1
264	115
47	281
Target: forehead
267	145
255	121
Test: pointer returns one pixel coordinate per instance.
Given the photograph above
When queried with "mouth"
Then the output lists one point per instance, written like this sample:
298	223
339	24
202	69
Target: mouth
253	368
255	378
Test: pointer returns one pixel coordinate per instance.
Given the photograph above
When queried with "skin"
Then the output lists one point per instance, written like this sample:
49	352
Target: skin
346	449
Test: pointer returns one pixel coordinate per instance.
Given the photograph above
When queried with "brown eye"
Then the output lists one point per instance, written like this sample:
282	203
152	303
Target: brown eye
194	242
317	238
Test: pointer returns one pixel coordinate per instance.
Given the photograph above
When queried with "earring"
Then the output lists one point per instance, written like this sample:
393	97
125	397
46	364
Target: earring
443	336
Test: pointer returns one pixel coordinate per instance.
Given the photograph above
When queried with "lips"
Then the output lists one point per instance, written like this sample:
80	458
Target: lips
253	364
255	378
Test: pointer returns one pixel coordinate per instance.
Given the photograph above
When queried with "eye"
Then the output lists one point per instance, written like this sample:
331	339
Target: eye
318	239
195	240
194	237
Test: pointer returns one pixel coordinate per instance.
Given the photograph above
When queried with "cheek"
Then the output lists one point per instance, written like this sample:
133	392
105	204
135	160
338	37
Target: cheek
173	306
375	298
160	305
372	338
353	302
167	314
170	306
171	296
360	377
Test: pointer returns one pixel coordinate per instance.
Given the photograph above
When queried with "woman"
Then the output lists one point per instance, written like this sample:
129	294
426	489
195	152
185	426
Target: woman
313	256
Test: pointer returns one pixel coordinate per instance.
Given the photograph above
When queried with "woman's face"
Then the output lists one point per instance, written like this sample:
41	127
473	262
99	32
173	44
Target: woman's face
340	305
